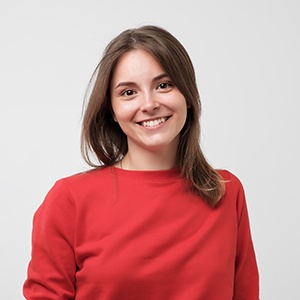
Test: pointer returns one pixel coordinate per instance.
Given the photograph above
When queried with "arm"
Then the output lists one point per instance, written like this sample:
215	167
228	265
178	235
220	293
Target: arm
51	271
246	271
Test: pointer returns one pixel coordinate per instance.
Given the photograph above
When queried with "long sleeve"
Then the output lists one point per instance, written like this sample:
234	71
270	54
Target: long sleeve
51	271
246	286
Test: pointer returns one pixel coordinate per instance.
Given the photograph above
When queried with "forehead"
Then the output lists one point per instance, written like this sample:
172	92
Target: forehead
136	63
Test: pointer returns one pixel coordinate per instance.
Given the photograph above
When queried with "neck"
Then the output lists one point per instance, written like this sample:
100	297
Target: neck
148	161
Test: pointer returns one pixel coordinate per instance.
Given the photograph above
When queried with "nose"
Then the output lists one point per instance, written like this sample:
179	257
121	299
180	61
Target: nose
149	103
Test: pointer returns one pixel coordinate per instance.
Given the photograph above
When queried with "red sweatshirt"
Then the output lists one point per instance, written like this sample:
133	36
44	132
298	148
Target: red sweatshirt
116	234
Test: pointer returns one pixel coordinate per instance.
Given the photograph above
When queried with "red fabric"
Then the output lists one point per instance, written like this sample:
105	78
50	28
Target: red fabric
117	234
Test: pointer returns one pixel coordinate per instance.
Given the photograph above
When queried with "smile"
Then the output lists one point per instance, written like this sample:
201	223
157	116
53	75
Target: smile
155	122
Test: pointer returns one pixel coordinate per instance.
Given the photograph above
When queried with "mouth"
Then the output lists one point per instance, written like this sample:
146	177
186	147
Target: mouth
154	122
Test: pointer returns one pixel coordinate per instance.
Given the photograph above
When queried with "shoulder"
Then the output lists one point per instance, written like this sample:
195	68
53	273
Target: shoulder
88	175
228	175
79	185
86	179
234	189
230	179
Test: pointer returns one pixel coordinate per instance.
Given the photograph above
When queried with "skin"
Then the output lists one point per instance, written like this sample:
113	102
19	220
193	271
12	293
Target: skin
150	110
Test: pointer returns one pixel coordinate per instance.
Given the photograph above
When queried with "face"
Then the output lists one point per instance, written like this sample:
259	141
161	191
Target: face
149	108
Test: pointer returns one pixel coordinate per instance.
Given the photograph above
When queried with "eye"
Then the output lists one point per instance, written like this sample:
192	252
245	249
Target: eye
128	93
165	85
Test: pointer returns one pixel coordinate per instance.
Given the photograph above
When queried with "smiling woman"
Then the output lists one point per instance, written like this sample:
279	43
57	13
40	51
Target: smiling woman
150	110
152	219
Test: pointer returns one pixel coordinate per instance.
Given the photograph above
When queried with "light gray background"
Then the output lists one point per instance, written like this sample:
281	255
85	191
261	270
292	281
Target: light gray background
246	55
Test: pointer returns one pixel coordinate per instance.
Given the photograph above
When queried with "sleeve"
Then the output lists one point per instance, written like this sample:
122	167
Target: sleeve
246	285
51	270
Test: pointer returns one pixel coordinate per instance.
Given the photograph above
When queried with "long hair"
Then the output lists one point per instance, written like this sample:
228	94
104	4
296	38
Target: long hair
103	138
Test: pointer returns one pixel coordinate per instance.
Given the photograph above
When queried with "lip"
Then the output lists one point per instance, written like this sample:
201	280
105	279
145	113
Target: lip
153	120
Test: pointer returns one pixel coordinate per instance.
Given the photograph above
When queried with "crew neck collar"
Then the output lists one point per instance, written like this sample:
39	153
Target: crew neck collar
147	174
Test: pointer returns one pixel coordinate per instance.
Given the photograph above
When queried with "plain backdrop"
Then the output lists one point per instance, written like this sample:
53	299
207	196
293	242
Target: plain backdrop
246	56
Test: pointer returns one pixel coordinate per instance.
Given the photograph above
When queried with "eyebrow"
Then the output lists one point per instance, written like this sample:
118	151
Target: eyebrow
126	83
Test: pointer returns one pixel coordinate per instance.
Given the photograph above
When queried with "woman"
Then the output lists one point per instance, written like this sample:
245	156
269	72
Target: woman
152	220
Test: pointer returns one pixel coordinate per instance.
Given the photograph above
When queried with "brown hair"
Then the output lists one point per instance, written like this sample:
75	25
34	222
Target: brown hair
104	138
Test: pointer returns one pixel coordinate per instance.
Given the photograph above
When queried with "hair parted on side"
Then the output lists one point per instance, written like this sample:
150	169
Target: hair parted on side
103	137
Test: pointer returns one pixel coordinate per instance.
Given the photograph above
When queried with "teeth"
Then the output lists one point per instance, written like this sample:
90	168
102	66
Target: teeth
153	122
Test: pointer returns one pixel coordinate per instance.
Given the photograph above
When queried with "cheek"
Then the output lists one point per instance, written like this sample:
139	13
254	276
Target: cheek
122	114
114	115
184	112
184	118
183	107
117	111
